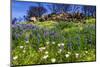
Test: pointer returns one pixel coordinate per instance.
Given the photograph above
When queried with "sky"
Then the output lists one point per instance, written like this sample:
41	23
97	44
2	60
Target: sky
19	8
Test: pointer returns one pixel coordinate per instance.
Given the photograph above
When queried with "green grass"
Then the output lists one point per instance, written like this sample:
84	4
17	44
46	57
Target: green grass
40	45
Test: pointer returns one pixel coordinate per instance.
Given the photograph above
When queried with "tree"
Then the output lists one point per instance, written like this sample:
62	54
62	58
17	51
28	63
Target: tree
14	20
89	10
58	8
25	18
36	11
65	7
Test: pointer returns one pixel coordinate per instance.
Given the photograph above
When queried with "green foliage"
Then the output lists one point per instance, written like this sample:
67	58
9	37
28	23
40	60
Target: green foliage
53	42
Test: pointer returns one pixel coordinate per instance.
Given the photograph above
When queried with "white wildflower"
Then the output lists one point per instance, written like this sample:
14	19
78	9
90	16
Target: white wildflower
67	55
47	42
86	52
53	42
42	48
46	52
69	52
45	57
14	58
27	41
62	44
24	51
21	47
60	50
58	44
53	60
77	55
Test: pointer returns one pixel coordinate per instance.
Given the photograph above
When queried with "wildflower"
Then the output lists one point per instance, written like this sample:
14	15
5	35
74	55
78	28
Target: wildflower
53	60
42	48
27	41
46	52
58	44
62	44
67	55
53	42
24	51
69	52
14	58
21	47
47	42
77	55
45	57
86	52
60	50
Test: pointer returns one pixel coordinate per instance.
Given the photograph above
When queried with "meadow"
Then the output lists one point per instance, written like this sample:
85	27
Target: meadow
53	42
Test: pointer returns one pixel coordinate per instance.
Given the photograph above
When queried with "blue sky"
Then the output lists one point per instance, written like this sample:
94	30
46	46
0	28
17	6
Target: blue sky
19	9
